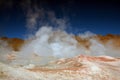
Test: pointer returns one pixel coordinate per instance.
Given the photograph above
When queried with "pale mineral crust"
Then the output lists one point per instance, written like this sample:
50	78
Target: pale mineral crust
77	68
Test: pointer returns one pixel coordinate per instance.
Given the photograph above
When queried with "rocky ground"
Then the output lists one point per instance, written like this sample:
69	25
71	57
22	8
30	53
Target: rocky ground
76	68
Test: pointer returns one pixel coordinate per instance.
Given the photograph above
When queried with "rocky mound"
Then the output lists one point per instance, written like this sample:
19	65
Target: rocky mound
76	68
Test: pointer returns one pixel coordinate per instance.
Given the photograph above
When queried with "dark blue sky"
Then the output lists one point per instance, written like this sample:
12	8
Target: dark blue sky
97	16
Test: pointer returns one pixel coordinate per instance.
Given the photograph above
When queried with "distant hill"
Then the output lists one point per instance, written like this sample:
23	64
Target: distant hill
15	43
114	40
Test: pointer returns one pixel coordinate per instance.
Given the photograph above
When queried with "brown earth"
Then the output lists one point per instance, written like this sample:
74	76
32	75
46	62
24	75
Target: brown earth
113	40
14	43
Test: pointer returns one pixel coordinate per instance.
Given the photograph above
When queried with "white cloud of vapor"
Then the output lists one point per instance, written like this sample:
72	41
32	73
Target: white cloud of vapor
4	51
37	16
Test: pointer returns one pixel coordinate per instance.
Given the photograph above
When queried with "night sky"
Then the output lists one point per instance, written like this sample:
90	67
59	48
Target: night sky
98	16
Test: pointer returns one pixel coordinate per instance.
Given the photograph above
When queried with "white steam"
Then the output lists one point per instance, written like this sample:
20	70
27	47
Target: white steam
5	50
96	48
49	44
87	35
